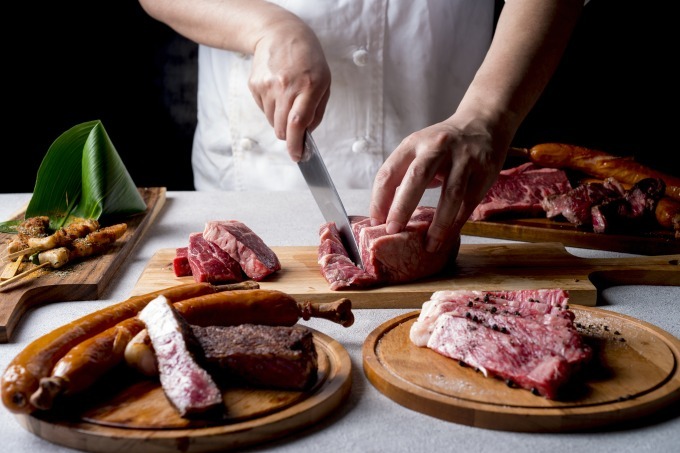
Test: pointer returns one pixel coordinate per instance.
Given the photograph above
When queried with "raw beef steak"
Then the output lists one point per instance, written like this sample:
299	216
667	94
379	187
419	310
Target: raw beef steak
209	263
520	191
526	339
180	264
387	258
254	256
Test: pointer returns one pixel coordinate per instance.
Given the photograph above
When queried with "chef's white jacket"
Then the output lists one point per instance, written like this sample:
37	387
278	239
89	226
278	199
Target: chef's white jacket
397	66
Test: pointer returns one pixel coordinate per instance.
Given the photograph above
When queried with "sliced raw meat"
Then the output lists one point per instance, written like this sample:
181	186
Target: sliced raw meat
633	211
254	256
282	357
530	341
209	263
180	264
575	205
521	302
520	191
387	258
187	385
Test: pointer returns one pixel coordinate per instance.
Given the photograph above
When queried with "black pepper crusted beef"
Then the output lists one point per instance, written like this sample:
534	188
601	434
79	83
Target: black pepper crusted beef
280	357
524	337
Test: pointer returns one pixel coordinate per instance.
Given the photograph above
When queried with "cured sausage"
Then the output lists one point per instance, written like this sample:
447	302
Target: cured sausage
22	376
86	362
668	214
599	164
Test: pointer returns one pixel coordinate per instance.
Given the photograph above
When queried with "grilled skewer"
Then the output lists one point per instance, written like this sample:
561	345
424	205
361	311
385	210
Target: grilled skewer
60	238
94	243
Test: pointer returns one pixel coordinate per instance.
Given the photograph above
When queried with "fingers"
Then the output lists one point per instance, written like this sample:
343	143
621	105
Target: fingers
403	178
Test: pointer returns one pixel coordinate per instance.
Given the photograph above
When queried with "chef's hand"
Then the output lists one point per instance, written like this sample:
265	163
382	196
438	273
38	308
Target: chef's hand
290	81
463	157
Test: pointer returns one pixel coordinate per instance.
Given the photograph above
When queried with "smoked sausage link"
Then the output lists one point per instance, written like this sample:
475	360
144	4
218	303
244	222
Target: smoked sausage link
23	374
600	165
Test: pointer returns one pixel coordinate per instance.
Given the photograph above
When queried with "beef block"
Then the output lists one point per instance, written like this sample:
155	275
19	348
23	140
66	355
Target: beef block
278	357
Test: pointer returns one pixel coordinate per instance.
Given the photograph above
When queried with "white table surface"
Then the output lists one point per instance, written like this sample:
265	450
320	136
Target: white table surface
368	421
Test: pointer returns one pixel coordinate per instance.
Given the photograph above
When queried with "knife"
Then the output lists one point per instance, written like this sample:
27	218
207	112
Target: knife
321	185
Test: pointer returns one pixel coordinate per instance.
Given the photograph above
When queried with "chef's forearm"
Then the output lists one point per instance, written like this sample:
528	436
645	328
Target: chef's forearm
235	25
529	41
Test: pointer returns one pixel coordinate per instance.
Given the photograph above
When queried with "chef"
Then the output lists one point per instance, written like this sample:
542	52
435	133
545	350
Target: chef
419	82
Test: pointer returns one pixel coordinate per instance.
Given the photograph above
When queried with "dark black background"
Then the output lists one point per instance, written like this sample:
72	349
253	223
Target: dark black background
68	62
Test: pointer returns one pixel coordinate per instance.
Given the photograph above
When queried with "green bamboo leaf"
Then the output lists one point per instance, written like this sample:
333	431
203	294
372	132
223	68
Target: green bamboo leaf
82	175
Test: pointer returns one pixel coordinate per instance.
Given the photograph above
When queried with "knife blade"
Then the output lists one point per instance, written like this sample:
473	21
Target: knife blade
321	185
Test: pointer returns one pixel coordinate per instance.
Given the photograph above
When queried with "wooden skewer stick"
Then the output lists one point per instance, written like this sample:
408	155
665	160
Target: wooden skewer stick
11	268
22	252
23	274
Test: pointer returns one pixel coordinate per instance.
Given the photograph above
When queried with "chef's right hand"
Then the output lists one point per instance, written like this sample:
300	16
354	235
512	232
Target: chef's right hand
290	81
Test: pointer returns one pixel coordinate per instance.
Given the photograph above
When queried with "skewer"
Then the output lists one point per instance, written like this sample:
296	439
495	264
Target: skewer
29	251
11	268
23	274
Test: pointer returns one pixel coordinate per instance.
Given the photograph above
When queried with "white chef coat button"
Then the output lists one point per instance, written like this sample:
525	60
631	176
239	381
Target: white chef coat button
360	146
247	144
360	57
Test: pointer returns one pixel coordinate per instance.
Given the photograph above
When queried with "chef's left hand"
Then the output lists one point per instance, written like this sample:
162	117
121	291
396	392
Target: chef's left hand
462	157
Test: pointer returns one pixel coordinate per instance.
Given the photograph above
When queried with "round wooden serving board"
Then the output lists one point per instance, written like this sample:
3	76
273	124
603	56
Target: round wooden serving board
634	373
131	414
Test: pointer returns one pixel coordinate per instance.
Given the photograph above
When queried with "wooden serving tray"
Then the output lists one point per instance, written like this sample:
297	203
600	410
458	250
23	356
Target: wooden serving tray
84	280
478	266
130	413
659	242
634	374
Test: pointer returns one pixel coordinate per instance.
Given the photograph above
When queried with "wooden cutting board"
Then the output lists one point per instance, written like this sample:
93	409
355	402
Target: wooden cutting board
634	374
129	413
658	242
84	280
478	266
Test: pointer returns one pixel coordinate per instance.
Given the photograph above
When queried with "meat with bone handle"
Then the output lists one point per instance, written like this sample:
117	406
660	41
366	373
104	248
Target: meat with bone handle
186	384
536	349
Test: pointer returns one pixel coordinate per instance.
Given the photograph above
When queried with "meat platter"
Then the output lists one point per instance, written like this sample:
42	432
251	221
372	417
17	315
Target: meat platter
83	280
502	266
610	392
131	413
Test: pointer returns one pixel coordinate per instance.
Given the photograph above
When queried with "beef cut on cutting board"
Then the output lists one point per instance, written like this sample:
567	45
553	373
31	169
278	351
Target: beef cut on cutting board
504	266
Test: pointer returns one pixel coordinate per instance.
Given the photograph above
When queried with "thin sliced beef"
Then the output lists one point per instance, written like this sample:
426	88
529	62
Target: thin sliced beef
530	341
254	256
520	191
521	302
387	258
282	357
187	385
180	264
209	263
